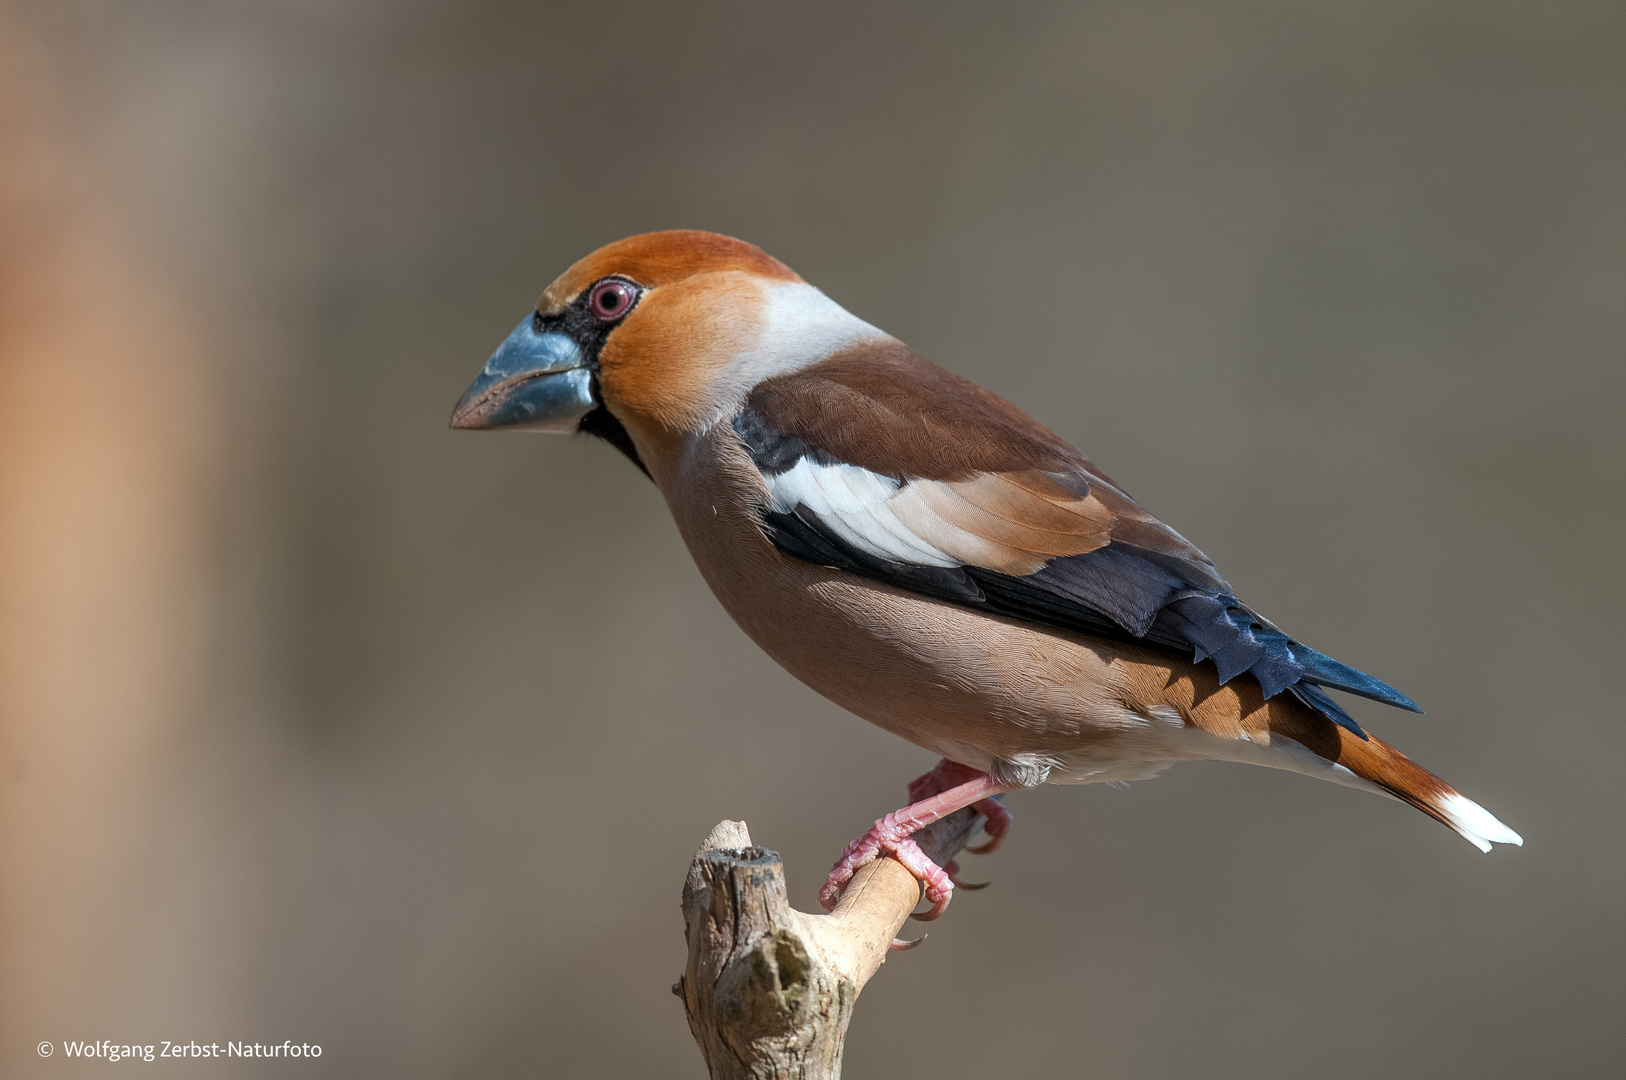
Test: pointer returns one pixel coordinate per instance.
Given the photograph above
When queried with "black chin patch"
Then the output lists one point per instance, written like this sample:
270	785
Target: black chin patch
599	422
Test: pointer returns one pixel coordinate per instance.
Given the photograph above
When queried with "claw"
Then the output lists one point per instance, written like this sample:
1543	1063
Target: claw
900	945
952	869
934	912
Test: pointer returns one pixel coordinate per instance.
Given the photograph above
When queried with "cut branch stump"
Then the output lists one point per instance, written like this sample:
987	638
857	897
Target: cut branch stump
769	990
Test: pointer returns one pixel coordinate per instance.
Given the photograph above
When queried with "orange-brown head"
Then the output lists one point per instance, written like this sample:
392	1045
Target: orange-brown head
654	338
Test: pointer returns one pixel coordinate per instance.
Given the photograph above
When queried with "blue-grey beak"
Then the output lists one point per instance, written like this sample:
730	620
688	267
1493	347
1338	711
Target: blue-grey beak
534	380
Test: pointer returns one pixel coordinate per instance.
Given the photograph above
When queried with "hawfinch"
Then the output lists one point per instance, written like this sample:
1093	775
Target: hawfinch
922	552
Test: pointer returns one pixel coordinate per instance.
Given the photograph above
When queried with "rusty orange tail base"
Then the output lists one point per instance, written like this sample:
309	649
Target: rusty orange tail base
1378	763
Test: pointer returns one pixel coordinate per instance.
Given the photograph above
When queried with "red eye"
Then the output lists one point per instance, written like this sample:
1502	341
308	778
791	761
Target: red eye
610	299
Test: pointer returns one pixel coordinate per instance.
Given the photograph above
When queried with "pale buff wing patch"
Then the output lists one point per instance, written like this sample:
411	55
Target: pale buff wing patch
985	522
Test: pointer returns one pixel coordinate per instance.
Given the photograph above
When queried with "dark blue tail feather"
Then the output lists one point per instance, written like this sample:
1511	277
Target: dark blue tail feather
1223	629
1322	702
1325	671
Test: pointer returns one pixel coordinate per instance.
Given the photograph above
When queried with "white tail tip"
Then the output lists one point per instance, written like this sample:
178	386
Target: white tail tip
1478	825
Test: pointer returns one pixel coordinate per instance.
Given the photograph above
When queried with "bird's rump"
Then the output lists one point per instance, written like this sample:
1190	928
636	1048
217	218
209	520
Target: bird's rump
878	462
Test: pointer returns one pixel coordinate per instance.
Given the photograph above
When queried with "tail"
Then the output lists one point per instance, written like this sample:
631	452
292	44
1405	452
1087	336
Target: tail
1382	765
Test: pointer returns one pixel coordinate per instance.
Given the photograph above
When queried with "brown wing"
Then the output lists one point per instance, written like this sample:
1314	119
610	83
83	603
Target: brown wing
975	466
878	462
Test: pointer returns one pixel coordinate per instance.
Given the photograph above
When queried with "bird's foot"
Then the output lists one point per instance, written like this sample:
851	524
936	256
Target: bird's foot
949	774
893	836
888	837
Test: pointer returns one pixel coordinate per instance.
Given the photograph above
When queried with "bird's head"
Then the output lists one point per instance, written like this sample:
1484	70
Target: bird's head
655	338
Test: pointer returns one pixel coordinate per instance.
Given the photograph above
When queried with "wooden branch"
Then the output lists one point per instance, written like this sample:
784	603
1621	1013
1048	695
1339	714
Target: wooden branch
769	990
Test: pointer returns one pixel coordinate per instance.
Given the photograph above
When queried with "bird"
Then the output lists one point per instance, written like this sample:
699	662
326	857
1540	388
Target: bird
923	552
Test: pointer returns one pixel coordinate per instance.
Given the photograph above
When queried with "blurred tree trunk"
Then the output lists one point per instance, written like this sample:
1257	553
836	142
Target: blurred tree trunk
105	440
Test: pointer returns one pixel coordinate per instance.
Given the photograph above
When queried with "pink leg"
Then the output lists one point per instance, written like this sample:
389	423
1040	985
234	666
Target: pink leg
892	835
949	774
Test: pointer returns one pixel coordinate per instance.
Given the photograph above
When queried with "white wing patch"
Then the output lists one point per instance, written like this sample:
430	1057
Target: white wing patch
857	505
903	521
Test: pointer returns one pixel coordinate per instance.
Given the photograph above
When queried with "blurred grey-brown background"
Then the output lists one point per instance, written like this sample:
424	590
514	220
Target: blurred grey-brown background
323	722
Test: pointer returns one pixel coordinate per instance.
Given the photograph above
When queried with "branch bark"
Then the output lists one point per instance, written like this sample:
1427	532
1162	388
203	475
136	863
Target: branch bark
769	990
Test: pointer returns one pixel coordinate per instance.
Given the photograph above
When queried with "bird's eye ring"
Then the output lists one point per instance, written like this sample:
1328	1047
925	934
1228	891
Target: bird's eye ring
611	299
